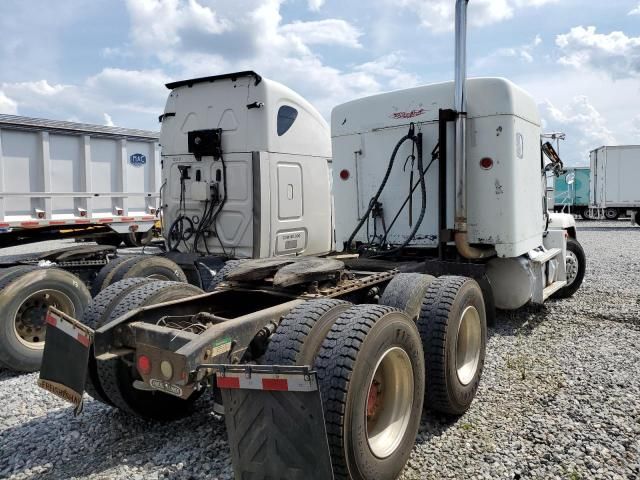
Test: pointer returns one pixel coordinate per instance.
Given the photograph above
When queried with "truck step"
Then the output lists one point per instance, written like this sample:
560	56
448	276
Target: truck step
553	288
546	256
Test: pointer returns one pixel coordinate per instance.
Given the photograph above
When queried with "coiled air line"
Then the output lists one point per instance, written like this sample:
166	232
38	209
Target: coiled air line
417	143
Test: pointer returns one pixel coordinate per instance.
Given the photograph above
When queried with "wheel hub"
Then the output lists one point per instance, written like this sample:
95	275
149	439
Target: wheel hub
30	318
374	399
468	345
571	266
389	402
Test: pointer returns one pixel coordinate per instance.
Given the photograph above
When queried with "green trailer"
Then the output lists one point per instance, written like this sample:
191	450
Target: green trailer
572	191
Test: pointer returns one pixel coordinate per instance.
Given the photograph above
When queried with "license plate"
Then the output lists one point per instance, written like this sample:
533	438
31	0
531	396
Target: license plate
65	358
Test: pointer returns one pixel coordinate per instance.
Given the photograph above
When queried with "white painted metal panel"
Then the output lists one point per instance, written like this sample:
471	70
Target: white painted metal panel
300	205
234	225
505	202
289	191
57	173
616	176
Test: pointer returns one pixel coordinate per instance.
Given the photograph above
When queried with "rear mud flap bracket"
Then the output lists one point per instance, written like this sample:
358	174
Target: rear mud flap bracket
65	358
275	422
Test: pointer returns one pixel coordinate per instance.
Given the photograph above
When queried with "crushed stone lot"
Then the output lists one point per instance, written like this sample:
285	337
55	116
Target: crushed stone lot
559	398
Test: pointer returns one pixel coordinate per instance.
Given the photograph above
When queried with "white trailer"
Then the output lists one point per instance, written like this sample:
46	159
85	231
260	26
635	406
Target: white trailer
69	180
615	181
62	176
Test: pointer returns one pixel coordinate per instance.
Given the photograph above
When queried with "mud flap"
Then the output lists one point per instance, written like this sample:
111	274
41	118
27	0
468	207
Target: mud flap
65	358
275	423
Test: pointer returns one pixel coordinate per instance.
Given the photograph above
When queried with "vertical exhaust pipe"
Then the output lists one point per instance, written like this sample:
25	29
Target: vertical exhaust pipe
460	105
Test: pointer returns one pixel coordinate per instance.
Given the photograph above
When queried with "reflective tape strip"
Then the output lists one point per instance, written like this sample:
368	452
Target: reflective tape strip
76	221
69	329
262	381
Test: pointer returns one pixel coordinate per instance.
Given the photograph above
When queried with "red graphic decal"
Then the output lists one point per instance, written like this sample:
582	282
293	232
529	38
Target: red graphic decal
411	114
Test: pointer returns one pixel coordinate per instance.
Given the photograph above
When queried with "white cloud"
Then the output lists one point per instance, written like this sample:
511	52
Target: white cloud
7	105
132	97
614	53
315	5
523	52
160	25
324	32
390	67
585	126
135	88
108	121
256	37
438	15
635	11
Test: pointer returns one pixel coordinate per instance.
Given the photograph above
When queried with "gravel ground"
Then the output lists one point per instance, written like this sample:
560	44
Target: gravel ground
559	398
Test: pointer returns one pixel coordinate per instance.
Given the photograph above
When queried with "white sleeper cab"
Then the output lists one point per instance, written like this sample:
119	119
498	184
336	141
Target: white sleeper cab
246	169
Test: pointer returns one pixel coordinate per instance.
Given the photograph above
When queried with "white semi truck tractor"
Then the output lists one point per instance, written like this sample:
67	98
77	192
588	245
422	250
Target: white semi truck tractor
367	262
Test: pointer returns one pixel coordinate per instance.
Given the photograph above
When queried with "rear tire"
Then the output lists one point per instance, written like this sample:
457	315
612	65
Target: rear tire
221	274
103	279
98	309
584	213
301	332
453	328
25	295
138	239
116	376
406	292
576	264
146	266
611	213
371	377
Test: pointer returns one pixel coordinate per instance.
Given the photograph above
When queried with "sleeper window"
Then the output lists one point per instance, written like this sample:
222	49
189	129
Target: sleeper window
286	116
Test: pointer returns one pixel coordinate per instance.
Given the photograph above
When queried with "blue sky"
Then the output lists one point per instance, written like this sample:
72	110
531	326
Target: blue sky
106	61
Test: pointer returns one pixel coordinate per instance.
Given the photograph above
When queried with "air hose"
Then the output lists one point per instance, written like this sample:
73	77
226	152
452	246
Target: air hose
417	140
423	190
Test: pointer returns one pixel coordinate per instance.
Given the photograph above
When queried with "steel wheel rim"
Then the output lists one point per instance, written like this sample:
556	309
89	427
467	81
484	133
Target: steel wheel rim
389	402
468	345
29	321
610	214
571	266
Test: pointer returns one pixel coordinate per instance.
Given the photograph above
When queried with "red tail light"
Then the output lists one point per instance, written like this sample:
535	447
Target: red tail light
486	163
344	174
144	365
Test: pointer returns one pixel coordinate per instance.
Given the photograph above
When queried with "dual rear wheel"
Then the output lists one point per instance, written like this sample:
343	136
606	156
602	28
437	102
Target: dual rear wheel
378	365
112	381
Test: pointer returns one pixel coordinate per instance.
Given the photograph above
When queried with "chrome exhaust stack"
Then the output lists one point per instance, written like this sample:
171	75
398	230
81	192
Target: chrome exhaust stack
460	105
